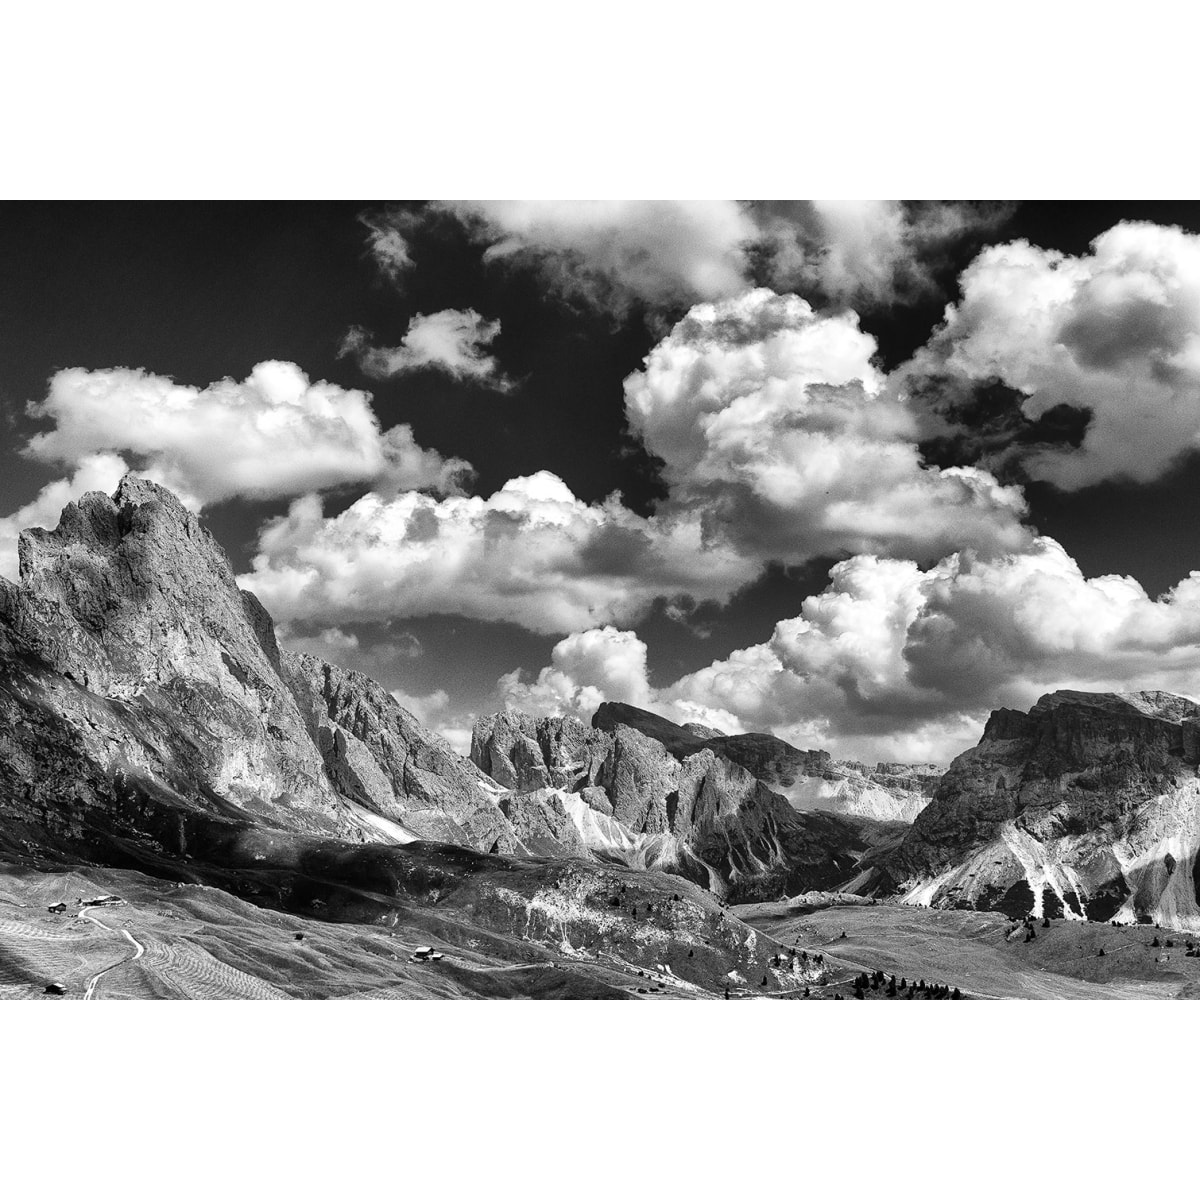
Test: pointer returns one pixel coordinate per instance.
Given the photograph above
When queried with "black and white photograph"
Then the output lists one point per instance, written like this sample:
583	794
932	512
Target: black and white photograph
636	579
601	600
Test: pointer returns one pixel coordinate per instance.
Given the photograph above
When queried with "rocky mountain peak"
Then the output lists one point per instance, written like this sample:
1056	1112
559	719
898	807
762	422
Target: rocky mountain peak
136	580
1089	803
1163	706
807	779
130	643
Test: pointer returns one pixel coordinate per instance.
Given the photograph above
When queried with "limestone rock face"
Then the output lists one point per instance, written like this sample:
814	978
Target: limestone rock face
1087	804
132	628
380	755
143	695
525	753
807	779
661	795
889	792
541	821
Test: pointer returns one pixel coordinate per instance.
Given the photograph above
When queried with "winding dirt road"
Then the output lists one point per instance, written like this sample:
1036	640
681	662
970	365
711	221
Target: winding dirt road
138	951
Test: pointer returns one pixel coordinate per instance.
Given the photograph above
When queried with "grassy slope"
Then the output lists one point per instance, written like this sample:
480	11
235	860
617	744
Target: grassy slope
970	950
187	940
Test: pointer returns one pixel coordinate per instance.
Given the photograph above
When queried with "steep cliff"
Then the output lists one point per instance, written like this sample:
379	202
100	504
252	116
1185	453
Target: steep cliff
807	779
143	696
1089	804
649	793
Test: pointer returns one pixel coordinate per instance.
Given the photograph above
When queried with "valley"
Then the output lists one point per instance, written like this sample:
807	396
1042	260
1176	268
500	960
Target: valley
272	825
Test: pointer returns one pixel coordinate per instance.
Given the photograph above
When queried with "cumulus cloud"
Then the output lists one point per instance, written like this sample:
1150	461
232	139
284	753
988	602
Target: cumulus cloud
778	442
532	554
95	473
894	662
774	422
585	670
274	434
1113	334
409	466
453	341
893	656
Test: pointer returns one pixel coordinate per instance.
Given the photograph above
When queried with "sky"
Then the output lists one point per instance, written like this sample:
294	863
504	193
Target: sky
854	472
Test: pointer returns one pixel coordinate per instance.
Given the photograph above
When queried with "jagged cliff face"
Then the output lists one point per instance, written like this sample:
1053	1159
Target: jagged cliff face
143	695
408	780
129	645
808	779
638	789
890	792
1089	804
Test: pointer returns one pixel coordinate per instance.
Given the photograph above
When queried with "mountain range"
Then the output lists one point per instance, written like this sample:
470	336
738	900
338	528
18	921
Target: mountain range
151	722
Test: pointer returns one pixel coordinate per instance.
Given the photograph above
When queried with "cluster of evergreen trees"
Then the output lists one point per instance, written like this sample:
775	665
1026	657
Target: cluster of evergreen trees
918	989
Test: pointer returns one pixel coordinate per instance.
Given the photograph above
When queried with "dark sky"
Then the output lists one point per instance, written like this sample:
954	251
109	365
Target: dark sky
202	291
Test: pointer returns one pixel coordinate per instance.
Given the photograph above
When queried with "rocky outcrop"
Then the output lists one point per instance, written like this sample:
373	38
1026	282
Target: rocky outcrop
807	779
525	753
542	823
890	792
379	755
143	695
1089	804
128	626
661	796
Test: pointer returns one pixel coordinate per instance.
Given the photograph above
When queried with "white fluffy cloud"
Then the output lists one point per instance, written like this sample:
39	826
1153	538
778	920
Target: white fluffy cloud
532	554
895	662
772	420
1115	332
611	253
274	434
778	442
95	473
453	341
585	670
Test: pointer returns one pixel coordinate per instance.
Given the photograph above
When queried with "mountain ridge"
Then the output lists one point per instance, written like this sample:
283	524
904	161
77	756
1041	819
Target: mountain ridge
150	719
1088	805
